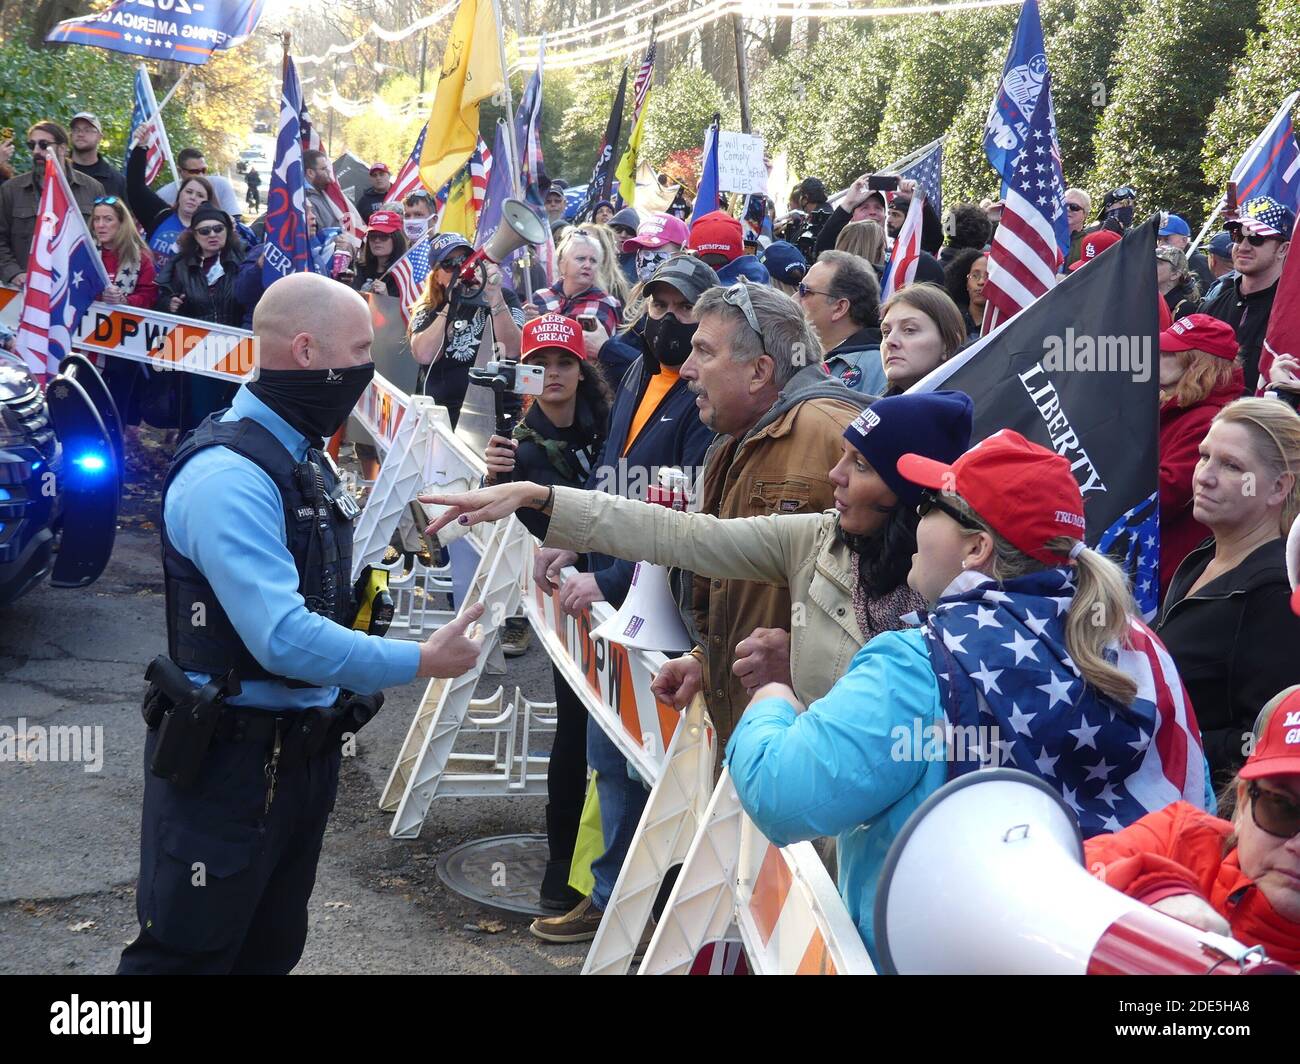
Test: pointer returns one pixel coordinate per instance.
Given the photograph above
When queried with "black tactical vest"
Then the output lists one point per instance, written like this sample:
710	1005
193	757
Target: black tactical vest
318	536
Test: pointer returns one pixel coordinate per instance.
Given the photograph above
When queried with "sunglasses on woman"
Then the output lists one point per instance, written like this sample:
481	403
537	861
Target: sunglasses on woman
930	501
105	201
1273	813
210	230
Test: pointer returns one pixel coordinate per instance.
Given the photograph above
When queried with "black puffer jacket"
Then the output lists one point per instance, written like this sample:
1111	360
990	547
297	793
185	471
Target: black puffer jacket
185	276
1234	643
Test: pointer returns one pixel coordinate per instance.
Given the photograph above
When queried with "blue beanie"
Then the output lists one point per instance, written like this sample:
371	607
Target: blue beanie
785	262
935	424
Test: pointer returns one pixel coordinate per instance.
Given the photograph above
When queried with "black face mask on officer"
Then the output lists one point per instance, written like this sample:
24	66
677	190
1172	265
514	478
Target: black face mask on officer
668	339
316	402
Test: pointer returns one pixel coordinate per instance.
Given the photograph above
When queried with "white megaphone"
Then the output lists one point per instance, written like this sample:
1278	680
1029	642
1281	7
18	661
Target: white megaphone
648	618
1293	564
987	878
519	226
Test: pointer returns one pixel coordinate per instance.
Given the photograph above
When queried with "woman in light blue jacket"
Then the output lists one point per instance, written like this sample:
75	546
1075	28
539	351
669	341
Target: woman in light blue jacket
1032	656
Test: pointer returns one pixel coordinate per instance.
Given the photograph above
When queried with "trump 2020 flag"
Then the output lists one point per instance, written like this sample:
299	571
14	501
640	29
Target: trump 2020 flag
1271	165
286	216
1033	237
147	128
185	31
1079	371
64	276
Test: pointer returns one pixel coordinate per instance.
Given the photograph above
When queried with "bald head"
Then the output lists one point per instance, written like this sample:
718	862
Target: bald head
306	321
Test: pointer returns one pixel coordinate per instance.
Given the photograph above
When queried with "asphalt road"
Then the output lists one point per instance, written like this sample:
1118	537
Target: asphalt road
69	839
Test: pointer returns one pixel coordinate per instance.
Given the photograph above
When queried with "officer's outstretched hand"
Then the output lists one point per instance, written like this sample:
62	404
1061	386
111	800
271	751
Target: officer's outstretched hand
449	651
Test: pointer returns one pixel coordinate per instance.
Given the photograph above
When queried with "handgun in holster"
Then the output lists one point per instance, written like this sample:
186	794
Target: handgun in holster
348	715
185	715
375	602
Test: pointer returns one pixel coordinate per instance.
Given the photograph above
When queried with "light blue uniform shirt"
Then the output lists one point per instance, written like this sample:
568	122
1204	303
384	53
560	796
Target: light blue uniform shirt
225	514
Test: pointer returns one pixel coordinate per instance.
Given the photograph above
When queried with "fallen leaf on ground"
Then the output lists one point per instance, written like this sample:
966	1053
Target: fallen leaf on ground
492	927
84	925
337	905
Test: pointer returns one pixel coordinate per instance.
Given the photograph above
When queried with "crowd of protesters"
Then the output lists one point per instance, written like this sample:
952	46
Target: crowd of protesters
755	352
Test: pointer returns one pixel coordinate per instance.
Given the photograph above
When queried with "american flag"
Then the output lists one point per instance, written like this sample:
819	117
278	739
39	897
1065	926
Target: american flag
528	134
410	273
900	271
1134	541
64	276
146	123
641	87
1020	141
480	167
344	207
1271	165
408	178
927	172
1004	673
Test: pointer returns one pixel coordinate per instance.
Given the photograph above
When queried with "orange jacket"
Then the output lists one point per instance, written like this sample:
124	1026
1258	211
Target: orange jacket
1179	850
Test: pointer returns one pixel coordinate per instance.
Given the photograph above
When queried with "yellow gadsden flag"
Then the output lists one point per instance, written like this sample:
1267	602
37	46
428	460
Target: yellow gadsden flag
471	72
458	214
627	166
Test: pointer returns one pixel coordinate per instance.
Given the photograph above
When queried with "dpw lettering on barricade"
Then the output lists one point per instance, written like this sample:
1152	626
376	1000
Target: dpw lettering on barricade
69	743
1065	441
75	1016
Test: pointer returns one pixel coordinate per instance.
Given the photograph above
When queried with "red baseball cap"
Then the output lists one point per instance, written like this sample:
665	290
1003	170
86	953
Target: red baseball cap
1277	750
1200	332
1093	245
380	168
553	331
717	233
384	222
1024	492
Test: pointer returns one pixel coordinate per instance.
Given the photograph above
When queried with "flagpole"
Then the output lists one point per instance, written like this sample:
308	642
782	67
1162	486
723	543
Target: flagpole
176	85
510	110
1218	208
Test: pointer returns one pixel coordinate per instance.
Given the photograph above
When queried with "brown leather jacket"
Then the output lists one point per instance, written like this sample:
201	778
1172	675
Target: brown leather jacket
779	467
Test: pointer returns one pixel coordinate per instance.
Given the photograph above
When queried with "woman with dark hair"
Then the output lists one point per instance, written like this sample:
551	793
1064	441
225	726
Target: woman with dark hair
846	569
199	283
920	329
161	222
964	278
558	442
385	244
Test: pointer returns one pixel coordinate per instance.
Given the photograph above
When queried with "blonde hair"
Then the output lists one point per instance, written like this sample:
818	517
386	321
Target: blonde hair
127	245
866	239
1274	430
609	276
1203	373
1098	616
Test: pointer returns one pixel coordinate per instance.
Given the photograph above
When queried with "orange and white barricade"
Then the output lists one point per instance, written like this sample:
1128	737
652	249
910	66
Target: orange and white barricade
161	341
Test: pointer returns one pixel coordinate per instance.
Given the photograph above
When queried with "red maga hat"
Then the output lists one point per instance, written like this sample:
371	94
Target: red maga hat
717	233
384	222
1277	751
552	331
1024	492
1200	332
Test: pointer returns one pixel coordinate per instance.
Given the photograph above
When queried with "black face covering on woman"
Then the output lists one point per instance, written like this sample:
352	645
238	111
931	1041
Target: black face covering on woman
316	402
669	340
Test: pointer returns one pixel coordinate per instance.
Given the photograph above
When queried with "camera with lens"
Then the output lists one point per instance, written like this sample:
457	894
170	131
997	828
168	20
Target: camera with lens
508	378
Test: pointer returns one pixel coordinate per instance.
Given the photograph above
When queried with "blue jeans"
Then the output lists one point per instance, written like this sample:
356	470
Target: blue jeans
622	800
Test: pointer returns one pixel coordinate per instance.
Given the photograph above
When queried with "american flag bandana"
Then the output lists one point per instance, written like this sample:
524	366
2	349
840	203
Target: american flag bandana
999	653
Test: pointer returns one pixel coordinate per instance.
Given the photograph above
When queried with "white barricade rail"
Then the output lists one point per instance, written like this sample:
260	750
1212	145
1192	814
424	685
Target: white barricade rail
417	593
162	341
510	769
671	819
782	903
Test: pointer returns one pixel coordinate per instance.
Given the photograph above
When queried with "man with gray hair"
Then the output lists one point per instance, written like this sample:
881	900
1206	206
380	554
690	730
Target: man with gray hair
755	368
840	297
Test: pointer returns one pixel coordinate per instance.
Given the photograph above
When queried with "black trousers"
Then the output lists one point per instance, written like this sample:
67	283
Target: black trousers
224	884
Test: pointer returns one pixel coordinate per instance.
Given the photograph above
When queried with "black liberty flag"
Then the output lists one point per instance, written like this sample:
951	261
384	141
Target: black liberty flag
602	174
1078	371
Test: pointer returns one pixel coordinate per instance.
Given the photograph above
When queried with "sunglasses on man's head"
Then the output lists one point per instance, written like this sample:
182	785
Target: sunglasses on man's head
1273	813
738	296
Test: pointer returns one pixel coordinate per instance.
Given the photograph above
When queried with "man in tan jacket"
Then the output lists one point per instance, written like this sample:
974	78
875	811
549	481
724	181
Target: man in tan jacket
756	370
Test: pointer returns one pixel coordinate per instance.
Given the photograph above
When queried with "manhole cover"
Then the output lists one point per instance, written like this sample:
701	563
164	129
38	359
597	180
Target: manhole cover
504	872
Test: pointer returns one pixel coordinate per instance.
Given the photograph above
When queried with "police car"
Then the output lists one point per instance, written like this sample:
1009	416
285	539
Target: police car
60	477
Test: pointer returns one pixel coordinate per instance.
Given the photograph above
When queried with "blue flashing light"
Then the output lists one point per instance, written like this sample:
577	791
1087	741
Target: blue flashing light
90	463
5	494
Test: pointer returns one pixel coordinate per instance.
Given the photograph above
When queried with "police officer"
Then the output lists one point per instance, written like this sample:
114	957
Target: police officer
257	546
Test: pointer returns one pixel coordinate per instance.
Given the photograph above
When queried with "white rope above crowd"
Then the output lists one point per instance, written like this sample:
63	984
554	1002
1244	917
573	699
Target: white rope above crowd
376	30
634	41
